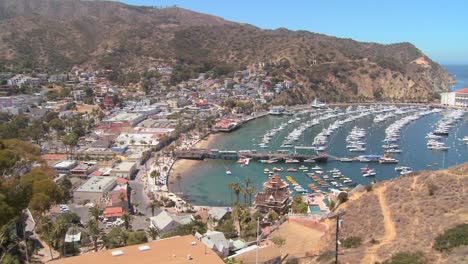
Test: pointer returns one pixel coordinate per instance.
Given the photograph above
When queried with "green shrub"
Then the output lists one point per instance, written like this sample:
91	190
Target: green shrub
279	241
431	189
326	256
135	238
452	238
407	258
351	242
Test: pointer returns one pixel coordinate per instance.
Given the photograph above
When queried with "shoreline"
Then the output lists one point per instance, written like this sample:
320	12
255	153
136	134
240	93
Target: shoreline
181	166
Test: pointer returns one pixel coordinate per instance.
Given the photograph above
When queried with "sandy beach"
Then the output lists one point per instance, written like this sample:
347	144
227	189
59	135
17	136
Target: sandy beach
182	166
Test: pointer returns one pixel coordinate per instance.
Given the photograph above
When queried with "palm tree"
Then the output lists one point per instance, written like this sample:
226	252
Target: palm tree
47	230
245	190
153	232
94	232
94	212
250	191
60	231
231	187
247	182
237	188
154	205
127	218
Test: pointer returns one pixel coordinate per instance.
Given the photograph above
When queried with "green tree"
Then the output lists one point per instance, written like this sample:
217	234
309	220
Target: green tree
94	213
153	205
127	218
153	232
71	141
236	188
47	233
117	237
94	232
298	205
272	215
57	124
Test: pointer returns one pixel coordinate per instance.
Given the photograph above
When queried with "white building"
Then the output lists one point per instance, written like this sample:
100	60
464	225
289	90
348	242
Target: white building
124	170
455	98
166	222
18	80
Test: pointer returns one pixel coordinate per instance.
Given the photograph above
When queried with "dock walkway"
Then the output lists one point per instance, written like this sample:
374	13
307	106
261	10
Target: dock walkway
200	154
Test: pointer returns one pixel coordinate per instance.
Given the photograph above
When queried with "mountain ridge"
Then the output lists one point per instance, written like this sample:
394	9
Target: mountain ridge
60	34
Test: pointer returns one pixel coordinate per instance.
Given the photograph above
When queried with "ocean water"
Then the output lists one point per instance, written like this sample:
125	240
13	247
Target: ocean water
460	72
207	182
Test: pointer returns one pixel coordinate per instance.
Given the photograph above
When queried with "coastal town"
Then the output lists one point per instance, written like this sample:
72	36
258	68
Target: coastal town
113	147
114	150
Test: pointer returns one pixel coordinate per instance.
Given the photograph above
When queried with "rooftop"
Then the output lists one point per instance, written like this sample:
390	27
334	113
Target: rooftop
462	91
66	164
124	166
174	250
97	184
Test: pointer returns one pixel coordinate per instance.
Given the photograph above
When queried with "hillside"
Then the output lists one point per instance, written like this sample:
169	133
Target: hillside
57	34
401	215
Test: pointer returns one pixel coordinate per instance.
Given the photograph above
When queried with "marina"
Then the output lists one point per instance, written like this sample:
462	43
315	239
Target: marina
289	144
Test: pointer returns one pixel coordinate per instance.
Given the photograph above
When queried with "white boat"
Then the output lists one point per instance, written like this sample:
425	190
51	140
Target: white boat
292	161
228	172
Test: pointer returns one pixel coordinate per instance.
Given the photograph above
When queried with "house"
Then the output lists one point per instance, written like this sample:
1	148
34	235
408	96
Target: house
124	170
216	241
82	170
166	222
217	213
117	198
65	166
275	195
52	159
113	213
174	250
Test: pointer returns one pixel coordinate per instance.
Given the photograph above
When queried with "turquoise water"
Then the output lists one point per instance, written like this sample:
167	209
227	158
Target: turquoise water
207	182
315	209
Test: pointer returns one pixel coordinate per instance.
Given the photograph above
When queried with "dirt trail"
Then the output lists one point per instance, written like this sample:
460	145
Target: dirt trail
389	227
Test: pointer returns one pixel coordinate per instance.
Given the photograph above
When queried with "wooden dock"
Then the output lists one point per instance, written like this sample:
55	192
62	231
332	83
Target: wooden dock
201	154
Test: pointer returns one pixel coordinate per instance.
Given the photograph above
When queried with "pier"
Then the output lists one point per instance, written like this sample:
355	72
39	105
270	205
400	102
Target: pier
201	154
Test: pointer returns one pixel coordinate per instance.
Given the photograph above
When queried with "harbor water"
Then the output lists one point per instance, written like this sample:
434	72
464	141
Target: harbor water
206	183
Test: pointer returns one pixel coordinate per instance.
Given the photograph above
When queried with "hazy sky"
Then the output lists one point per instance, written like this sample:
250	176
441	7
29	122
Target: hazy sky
439	28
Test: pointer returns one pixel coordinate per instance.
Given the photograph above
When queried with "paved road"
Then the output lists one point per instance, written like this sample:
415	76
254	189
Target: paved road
138	195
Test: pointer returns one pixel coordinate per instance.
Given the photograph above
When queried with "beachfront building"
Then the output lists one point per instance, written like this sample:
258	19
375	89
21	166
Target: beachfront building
455	98
275	195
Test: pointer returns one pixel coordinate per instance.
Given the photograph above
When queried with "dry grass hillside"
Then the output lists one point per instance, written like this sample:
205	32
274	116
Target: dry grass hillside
57	35
405	214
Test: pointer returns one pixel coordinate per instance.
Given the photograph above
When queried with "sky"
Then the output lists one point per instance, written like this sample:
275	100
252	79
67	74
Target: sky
438	28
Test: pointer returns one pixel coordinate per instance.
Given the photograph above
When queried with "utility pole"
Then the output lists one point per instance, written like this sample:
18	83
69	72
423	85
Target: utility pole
256	251
337	242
